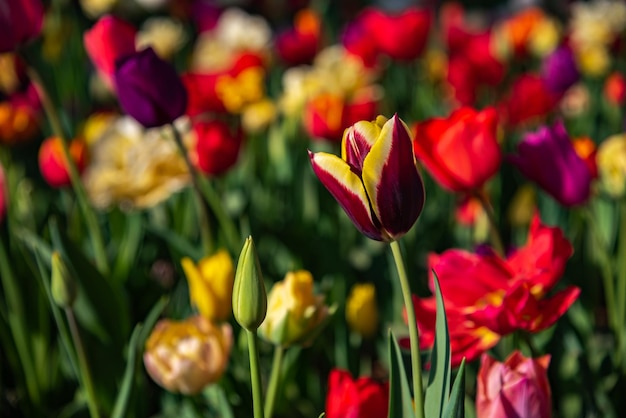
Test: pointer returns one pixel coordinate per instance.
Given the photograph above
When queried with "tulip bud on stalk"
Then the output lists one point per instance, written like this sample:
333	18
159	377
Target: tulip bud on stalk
249	309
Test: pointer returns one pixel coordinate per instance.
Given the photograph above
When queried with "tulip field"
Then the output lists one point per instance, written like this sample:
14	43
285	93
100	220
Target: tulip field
312	208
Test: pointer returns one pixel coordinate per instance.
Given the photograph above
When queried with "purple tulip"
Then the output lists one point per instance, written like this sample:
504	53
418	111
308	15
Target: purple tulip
20	21
559	71
149	89
548	158
375	180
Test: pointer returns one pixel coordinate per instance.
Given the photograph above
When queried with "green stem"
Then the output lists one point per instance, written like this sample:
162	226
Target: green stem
270	396
416	360
255	375
16	319
83	364
225	222
205	230
81	195
621	281
494	233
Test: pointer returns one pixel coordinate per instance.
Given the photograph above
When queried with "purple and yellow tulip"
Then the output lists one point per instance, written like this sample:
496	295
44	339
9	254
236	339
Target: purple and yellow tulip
376	180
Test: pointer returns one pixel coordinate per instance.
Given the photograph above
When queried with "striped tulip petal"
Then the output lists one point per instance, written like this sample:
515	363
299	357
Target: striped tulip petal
346	187
358	141
391	179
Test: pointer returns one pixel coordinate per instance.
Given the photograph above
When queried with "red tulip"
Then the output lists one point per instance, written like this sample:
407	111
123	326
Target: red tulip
20	22
360	398
300	44
217	148
327	116
517	388
358	42
462	151
487	297
615	89
529	99
400	36
107	41
52	162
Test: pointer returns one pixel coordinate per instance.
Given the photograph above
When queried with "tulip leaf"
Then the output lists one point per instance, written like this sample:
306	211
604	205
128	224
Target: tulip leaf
400	401
439	377
131	231
456	405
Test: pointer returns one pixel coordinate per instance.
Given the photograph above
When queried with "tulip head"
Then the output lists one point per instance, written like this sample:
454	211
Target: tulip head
611	160
364	397
20	22
295	314
376	180
149	89
518	387
217	147
185	356
52	162
249	297
211	285
361	310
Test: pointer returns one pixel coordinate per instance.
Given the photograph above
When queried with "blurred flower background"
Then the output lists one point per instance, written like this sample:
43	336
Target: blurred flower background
142	141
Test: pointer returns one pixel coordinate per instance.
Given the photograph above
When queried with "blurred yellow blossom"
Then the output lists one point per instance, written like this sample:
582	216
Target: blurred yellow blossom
545	37
96	8
211	284
611	160
238	91
165	35
294	312
9	80
258	115
134	167
185	356
523	206
361	310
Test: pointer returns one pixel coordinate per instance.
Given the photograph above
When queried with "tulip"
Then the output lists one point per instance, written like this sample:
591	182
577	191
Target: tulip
211	285
517	388
400	36
20	22
20	115
185	356
107	41
615	89
376	180
586	149
462	151
548	158
559	70
355	398
487	297
528	100
149	89
294	313
358	42
52	162
216	148
249	297
361	310
611	160
299	45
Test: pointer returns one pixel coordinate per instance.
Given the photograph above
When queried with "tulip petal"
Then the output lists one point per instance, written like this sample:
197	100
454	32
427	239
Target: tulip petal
347	188
357	143
391	179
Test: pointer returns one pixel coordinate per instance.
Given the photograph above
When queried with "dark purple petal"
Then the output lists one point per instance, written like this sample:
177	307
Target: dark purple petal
20	21
149	89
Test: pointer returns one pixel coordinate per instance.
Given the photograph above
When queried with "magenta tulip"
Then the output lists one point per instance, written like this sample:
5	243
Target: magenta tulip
20	22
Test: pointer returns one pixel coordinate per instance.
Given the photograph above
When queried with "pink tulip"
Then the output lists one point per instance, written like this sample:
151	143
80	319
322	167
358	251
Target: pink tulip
517	388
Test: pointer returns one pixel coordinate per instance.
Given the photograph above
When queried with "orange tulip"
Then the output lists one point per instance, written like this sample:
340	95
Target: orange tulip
52	162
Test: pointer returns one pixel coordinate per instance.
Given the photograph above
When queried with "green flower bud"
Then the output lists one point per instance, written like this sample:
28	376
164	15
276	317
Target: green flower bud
63	286
249	297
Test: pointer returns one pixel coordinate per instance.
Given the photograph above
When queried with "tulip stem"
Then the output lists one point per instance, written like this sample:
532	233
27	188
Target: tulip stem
270	396
81	195
416	360
205	230
621	281
83	364
494	233
255	375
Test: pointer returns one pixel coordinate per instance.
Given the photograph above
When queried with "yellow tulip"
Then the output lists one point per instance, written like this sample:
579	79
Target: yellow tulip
611	160
211	284
361	310
185	356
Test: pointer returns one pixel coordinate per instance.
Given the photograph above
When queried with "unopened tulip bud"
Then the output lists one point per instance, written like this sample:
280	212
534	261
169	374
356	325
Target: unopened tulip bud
64	289
249	297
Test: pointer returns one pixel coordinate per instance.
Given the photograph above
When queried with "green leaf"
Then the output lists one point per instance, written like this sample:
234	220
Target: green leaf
439	377
177	243
100	306
131	232
400	401
456	405
123	396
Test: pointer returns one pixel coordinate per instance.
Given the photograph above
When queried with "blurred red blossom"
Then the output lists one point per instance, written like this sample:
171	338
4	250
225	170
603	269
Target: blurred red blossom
364	397
299	45
217	146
